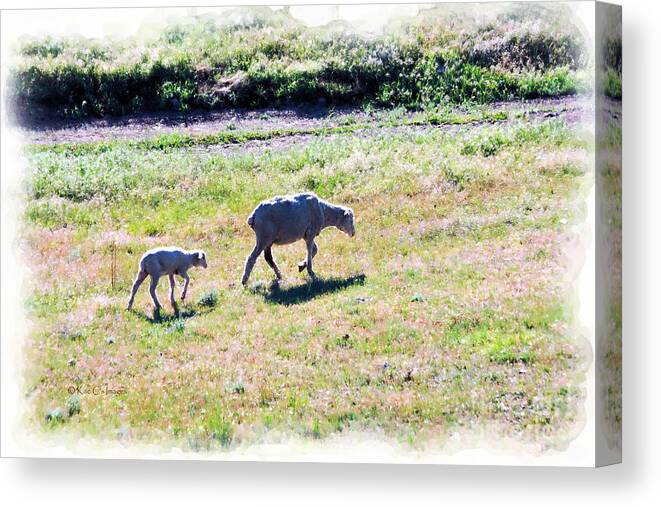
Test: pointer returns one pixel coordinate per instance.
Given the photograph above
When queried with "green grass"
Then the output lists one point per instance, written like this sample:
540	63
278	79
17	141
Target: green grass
448	310
446	55
79	187
167	142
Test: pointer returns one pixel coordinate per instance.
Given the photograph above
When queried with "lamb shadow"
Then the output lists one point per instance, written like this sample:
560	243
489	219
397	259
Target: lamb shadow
308	291
161	317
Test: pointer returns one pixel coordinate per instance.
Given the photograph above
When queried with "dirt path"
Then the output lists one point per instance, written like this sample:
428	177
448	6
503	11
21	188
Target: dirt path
571	112
571	109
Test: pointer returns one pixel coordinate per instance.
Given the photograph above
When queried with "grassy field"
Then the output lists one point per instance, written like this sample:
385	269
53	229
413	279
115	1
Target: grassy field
254	57
450	310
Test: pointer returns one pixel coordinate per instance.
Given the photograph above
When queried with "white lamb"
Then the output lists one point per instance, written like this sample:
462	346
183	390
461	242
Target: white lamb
166	261
286	219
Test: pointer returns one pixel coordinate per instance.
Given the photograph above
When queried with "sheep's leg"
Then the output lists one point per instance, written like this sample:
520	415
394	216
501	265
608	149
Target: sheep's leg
302	265
152	291
250	262
140	277
173	302
268	255
186	278
312	250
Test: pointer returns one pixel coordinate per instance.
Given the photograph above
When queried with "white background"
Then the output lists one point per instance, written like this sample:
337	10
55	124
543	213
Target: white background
636	482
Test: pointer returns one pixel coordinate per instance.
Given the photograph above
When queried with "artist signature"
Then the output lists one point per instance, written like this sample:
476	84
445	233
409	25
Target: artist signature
96	390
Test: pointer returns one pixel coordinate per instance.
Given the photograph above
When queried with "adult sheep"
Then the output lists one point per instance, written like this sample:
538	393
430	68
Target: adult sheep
285	219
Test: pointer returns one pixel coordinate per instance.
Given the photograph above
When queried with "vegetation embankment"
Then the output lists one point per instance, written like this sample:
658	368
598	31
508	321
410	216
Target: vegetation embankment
267	58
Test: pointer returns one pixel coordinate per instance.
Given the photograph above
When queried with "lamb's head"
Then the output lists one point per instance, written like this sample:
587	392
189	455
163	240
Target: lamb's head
346	223
199	258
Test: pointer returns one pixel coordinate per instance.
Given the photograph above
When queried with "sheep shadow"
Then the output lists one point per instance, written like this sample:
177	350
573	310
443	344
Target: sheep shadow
305	292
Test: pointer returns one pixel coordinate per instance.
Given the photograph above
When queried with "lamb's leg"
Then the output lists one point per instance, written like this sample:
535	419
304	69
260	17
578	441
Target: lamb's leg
268	255
186	278
152	291
250	262
173	302
302	265
140	277
312	250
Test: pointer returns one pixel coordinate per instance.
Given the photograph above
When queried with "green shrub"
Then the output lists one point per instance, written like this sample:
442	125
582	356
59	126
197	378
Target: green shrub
208	298
613	54
523	46
73	405
54	416
613	84
219	427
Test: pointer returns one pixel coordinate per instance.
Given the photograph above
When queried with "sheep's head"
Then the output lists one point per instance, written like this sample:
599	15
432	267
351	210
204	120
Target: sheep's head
200	258
346	223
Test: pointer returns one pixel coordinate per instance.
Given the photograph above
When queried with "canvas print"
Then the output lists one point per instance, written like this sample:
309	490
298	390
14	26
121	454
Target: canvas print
376	233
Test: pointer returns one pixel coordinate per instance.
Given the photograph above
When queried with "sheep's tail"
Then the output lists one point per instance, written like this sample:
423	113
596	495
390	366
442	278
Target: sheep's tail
251	220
